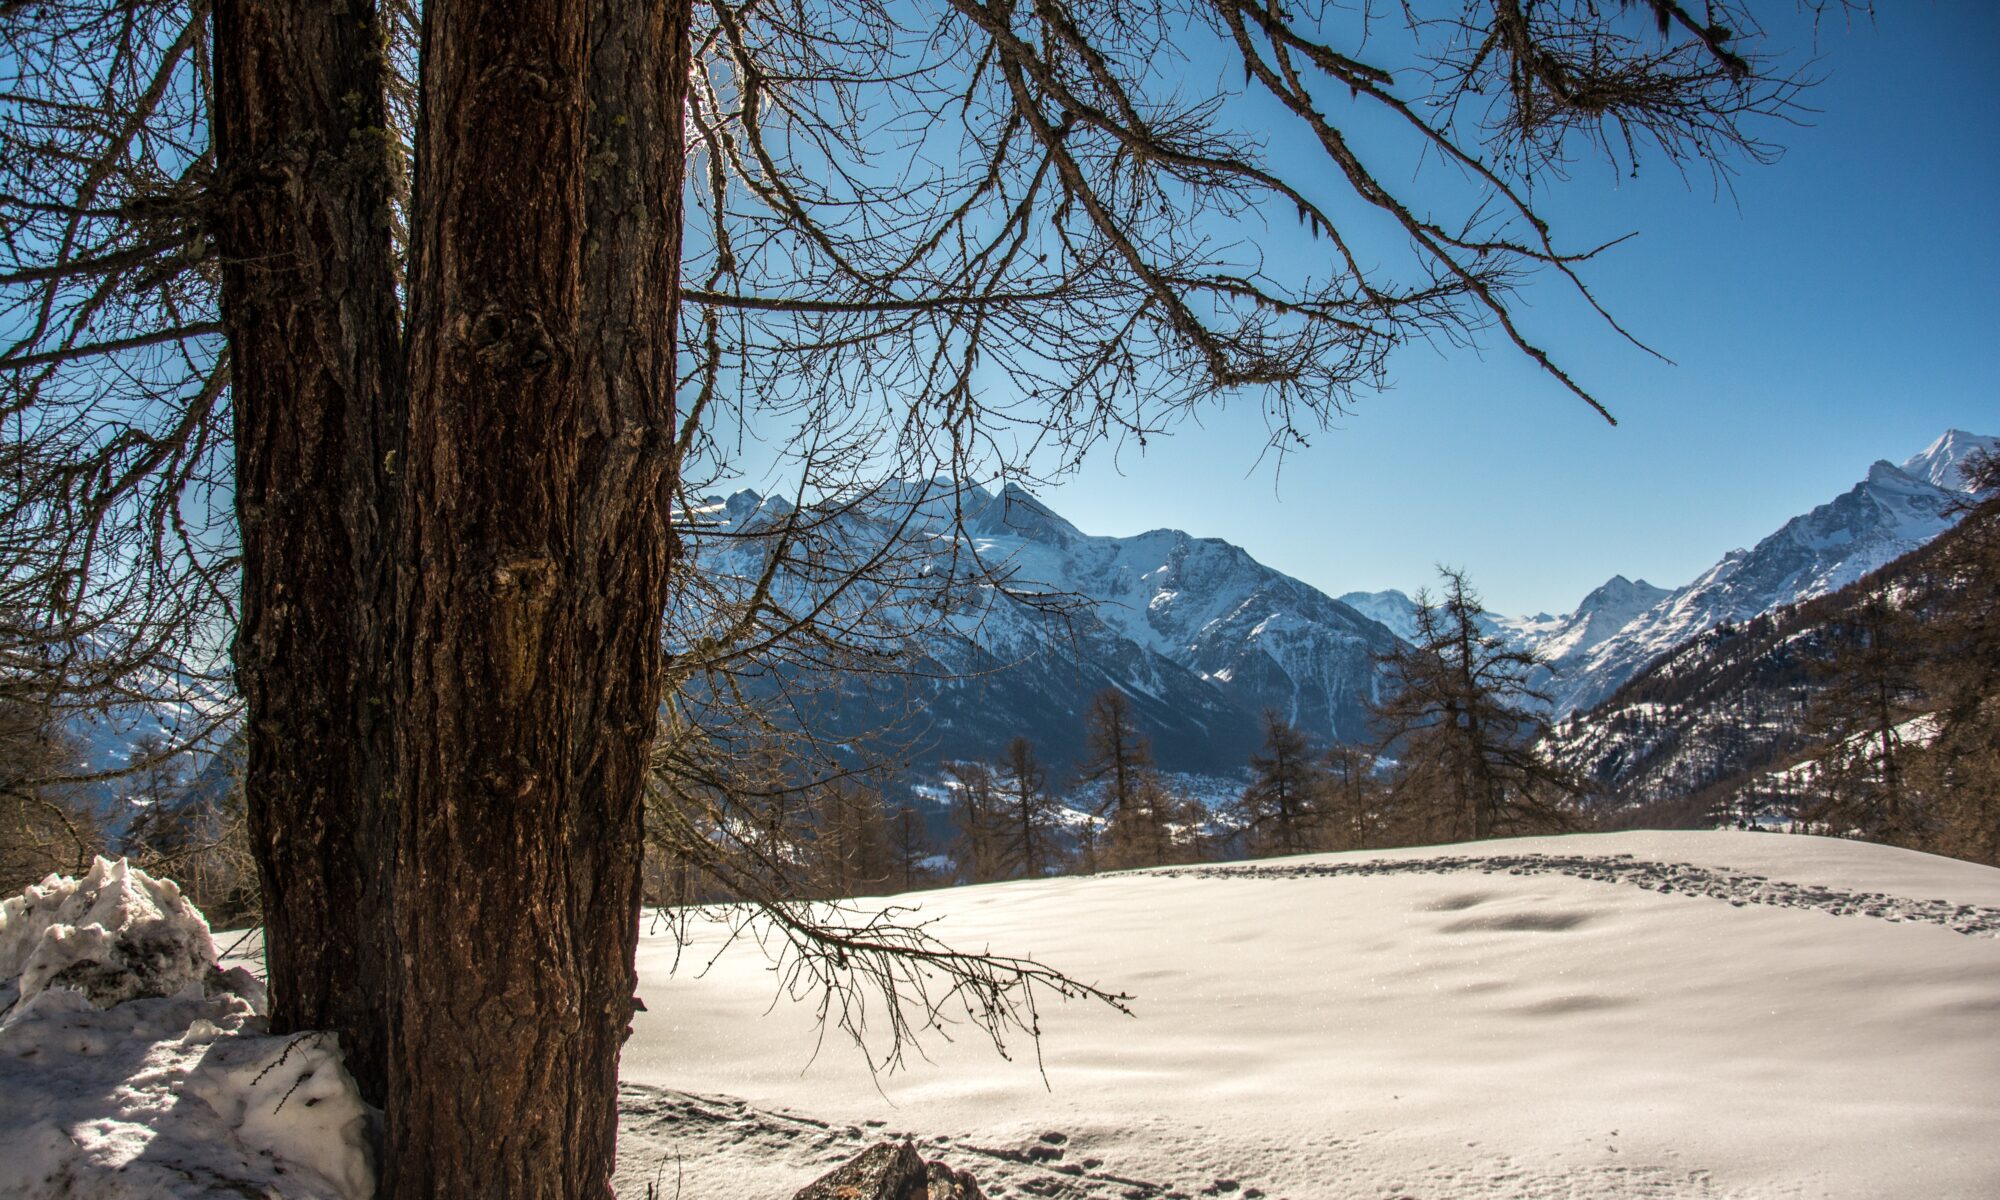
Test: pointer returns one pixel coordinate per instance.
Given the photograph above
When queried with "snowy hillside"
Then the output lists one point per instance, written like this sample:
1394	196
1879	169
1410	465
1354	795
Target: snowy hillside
1624	624
1660	1015
1201	636
1618	1015
1891	512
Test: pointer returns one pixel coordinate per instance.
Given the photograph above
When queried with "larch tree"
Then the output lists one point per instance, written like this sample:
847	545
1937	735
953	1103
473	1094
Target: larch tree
1118	764
1867	692
852	846
1033	828
1355	817
910	843
1462	720
1937	684
978	813
1958	771
41	830
1283	808
414	439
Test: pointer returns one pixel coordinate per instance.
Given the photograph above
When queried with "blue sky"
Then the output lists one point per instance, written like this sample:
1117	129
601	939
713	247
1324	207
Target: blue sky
1842	306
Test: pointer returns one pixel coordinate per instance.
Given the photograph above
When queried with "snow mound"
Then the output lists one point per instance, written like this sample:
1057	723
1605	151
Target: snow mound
134	1068
114	935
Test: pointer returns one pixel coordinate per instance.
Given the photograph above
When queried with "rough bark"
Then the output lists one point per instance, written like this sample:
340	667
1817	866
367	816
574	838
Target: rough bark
309	306
547	233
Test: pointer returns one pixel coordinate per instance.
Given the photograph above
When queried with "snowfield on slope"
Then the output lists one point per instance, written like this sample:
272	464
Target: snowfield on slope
1614	1015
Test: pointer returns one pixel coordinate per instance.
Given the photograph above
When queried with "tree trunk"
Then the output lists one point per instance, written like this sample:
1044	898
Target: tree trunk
309	305
547	235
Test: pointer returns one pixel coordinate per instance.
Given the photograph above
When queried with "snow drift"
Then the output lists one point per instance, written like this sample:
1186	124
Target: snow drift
134	1068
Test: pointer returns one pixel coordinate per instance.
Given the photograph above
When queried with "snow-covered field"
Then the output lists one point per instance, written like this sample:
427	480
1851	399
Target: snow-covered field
1639	1014
1618	1015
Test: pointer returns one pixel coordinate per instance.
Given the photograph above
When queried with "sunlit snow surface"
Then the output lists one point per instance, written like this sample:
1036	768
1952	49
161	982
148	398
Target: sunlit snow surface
1655	1014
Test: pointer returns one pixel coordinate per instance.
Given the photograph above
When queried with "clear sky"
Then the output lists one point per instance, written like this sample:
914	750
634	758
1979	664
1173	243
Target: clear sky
1843	306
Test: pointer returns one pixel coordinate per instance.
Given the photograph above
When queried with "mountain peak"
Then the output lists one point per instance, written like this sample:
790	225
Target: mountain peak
1392	609
1883	471
1939	462
1015	512
750	504
1621	595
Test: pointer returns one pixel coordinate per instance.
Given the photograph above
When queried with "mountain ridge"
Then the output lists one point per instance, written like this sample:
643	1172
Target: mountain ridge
1894	509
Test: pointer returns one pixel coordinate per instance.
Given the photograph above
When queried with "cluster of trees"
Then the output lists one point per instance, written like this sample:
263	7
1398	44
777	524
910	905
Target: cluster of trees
42	828
53	816
361	353
1118	811
1009	825
1459	756
190	825
1904	722
778	829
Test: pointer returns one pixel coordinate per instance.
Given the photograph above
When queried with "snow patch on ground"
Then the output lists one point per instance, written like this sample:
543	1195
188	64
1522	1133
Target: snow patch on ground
133	1068
671	1144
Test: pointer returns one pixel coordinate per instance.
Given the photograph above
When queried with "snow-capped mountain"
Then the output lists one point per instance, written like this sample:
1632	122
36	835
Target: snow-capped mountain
1624	624
1896	509
1613	605
1724	723
1397	610
1024	617
1200	635
1394	610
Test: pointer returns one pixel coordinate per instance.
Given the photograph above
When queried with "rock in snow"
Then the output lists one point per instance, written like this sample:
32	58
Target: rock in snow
134	1068
891	1171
